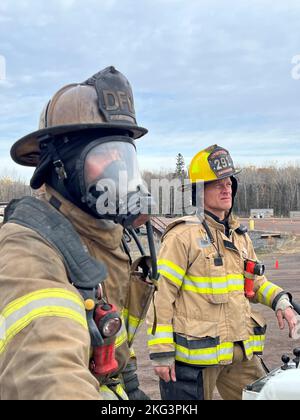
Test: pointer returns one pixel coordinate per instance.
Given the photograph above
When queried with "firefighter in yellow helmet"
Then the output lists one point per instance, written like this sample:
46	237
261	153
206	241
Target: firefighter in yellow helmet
206	333
66	331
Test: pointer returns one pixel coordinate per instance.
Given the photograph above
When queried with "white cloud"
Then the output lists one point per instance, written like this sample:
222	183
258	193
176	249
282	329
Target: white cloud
202	71
252	147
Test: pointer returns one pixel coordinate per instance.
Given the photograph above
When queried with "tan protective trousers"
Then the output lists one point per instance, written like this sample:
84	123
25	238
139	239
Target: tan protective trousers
231	380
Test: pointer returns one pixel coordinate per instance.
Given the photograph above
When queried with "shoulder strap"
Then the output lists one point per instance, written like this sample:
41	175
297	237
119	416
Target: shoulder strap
84	271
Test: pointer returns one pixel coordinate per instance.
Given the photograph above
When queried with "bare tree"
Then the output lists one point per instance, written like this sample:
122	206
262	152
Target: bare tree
272	187
12	187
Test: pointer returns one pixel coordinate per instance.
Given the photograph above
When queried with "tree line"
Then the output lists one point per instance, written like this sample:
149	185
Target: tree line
272	187
269	187
12	187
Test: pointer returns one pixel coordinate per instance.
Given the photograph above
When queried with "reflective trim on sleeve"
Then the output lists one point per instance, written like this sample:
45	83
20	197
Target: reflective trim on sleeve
121	392
164	335
132	352
122	336
265	293
171	271
43	303
113	393
132	324
255	345
108	394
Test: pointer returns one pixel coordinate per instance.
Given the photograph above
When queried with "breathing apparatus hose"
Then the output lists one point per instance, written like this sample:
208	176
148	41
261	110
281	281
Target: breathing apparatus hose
152	250
137	241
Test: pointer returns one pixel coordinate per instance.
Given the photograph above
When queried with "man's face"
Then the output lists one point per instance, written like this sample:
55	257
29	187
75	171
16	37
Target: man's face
218	197
96	164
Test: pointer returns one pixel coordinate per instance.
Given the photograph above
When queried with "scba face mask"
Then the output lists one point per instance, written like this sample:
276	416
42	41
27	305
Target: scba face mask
110	181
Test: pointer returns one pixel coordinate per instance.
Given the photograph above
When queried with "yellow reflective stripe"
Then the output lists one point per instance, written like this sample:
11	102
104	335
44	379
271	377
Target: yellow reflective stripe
211	291
171	271
108	394
163	335
214	285
122	336
266	292
205	357
43	303
170	277
132	324
134	321
215	279
41	294
161	328
132	352
112	393
124	315
166	340
255	344
171	265
121	392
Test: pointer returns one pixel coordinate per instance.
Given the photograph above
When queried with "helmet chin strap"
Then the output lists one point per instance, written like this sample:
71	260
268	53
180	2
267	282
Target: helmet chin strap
234	192
60	171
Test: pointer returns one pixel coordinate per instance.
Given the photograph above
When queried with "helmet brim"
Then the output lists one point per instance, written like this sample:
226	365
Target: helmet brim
188	187
26	151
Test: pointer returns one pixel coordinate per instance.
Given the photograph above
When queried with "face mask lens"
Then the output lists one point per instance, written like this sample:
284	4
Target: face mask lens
98	162
114	161
113	184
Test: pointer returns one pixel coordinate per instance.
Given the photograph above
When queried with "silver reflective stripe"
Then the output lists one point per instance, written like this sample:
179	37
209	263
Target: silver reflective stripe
204	285
131	330
122	330
254	343
236	282
206	357
216	285
162	335
2	327
266	291
170	271
107	394
41	303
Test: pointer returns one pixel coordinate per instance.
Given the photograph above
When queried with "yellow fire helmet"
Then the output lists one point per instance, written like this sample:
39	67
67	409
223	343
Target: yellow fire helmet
211	164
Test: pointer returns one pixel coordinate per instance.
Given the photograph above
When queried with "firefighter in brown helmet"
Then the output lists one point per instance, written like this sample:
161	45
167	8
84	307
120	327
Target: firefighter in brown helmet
86	140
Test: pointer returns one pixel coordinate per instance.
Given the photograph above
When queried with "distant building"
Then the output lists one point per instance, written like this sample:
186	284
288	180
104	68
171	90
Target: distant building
2	208
295	214
262	213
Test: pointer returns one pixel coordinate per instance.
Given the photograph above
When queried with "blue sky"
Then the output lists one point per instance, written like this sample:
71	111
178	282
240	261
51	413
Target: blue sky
203	72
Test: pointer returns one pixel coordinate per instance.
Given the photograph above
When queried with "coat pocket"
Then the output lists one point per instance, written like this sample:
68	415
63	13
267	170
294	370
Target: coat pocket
217	283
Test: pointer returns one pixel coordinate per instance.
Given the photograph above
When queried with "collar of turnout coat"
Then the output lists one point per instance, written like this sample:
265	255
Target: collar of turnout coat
213	223
104	233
